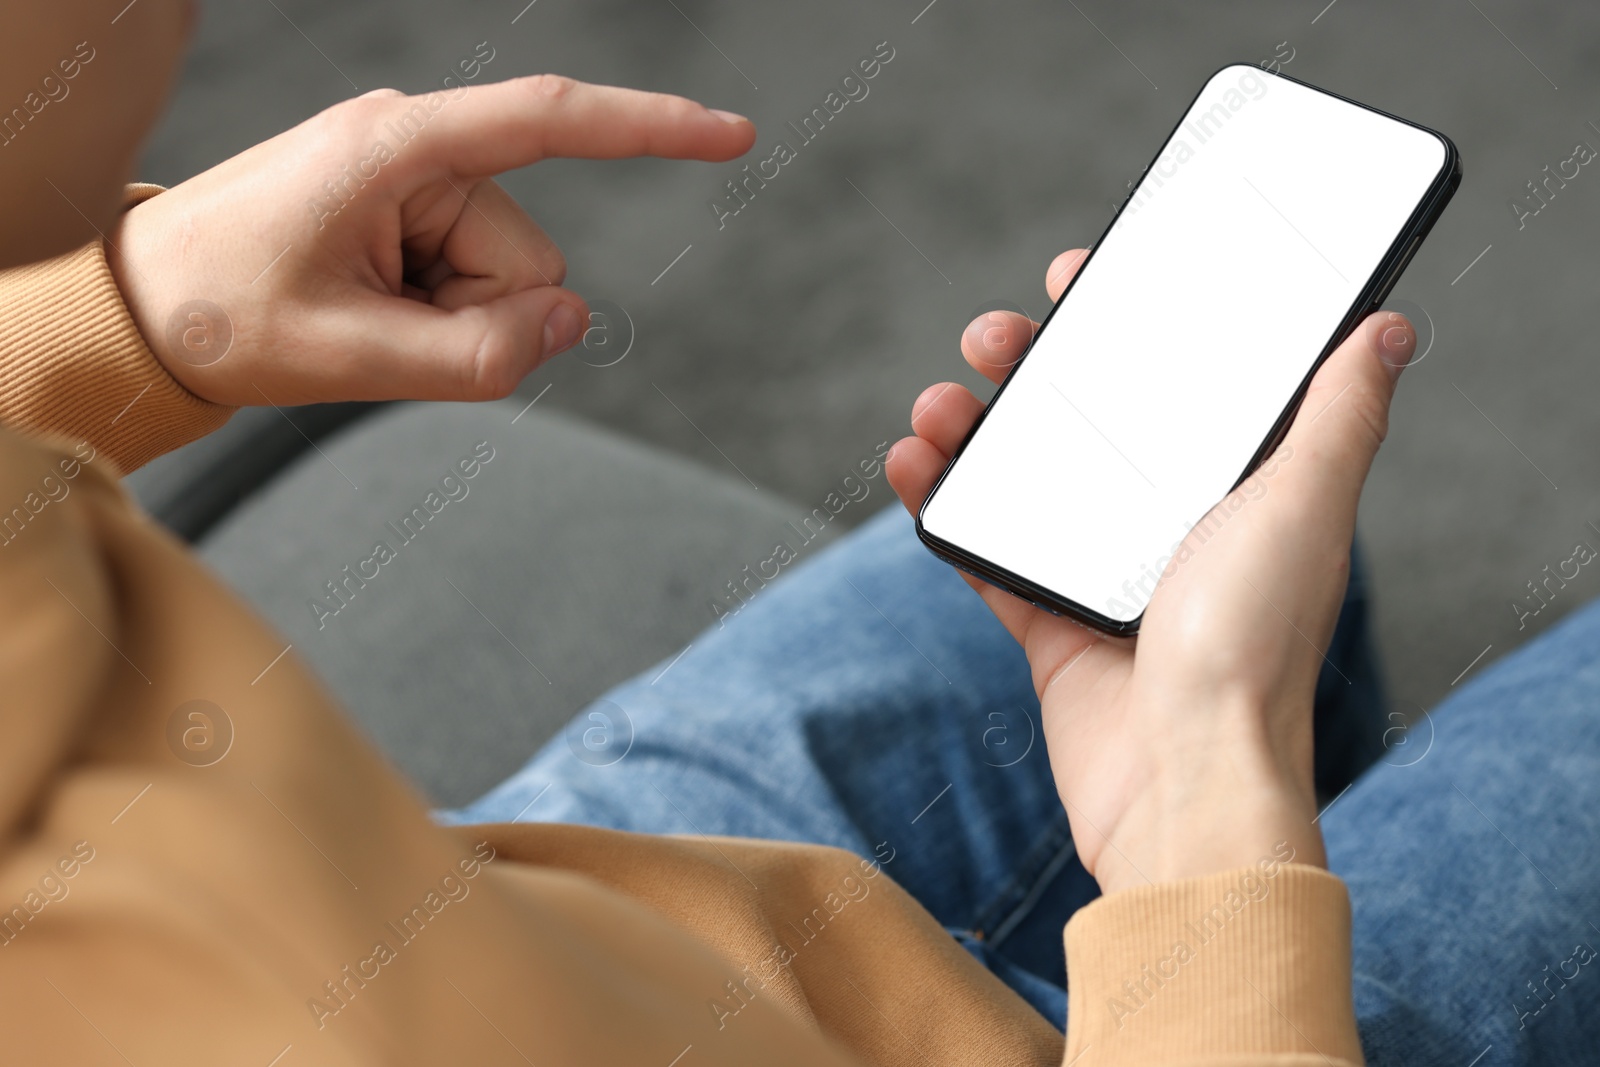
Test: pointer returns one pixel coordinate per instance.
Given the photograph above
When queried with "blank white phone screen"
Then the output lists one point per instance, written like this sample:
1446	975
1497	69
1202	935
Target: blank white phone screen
1184	338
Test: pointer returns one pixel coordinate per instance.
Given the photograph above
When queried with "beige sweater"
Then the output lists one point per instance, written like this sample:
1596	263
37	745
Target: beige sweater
292	903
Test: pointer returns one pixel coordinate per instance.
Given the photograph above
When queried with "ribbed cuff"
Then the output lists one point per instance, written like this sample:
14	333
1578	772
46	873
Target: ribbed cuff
73	364
1249	962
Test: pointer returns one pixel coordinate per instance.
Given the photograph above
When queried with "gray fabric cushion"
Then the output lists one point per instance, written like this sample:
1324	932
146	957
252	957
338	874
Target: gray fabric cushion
577	560
192	488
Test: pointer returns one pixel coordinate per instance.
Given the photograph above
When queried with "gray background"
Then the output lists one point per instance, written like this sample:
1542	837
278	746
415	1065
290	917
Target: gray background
999	135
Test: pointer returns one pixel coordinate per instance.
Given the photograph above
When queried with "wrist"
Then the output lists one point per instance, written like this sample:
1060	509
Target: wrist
124	253
185	334
1160	840
1219	792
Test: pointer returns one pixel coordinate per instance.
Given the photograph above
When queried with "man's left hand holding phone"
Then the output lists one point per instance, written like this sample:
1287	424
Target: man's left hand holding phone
1187	751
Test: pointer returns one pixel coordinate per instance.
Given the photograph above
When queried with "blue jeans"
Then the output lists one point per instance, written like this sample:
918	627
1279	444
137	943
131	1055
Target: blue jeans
871	702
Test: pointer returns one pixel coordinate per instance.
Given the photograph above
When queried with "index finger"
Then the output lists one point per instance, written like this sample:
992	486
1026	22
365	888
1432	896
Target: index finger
483	130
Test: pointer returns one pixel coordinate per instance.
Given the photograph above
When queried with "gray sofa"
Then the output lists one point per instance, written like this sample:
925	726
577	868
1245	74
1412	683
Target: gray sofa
567	561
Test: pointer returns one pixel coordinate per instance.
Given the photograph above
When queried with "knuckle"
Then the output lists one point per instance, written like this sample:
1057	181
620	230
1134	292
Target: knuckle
550	86
555	266
681	108
1370	409
492	381
489	382
490	373
356	116
1361	405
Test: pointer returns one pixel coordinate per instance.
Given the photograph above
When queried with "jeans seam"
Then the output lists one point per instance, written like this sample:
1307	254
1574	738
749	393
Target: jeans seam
1011	904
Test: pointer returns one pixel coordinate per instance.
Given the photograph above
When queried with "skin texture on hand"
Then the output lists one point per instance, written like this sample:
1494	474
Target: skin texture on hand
367	254
1187	750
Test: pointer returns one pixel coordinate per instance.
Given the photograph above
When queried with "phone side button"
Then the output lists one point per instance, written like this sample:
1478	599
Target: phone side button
1394	273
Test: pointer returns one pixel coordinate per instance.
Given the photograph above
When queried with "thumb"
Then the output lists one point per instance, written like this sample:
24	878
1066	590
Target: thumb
1345	416
405	349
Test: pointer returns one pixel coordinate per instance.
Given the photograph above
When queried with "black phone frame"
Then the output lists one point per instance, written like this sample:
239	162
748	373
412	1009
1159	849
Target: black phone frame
1371	297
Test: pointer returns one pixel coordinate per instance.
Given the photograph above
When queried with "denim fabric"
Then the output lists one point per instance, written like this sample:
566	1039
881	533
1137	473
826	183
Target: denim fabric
870	701
1471	855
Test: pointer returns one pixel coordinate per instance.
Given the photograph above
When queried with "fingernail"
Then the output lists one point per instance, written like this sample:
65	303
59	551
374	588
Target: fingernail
561	329
1396	342
727	116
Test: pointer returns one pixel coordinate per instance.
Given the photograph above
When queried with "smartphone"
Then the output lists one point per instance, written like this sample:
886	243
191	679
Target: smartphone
1275	217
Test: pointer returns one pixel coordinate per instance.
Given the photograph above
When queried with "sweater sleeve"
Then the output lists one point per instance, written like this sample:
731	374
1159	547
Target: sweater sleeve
1249	967
74	366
